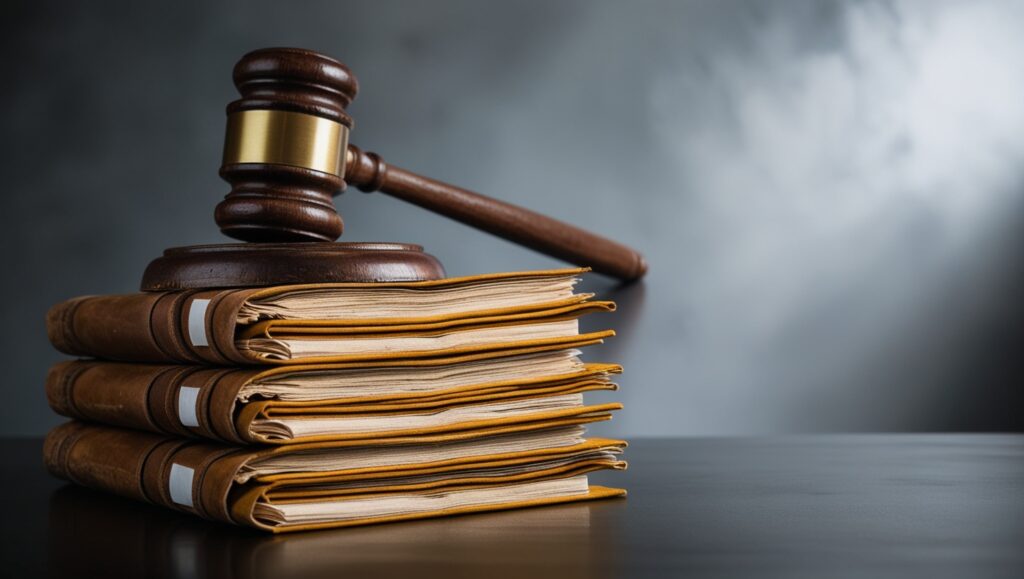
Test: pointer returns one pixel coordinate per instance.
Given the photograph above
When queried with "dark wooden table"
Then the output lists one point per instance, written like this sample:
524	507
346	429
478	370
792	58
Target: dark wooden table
813	506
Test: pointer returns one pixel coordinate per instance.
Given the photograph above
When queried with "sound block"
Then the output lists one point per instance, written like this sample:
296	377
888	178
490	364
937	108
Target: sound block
264	264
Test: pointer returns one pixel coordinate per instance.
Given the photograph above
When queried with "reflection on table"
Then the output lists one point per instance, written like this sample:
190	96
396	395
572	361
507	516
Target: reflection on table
95	534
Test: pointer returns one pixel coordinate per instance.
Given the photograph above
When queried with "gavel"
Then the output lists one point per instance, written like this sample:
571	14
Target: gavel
286	155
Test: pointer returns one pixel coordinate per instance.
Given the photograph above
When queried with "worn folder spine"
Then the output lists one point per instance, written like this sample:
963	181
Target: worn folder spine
200	478
201	327
198	401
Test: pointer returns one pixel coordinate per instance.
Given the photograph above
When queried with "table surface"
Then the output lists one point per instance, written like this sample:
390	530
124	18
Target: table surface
834	505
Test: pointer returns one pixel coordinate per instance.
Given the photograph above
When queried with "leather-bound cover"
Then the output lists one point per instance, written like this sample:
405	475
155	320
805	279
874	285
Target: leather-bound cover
150	397
201	326
200	478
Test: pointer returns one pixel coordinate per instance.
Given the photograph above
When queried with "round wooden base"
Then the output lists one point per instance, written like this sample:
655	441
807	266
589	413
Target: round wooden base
264	264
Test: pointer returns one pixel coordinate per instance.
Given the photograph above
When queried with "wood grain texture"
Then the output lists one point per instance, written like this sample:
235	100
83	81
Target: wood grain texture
273	203
369	172
266	264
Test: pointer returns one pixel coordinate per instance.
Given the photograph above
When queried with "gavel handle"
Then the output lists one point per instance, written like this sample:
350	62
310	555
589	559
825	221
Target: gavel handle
369	173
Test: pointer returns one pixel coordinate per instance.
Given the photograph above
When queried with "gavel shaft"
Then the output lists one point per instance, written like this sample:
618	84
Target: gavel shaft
369	173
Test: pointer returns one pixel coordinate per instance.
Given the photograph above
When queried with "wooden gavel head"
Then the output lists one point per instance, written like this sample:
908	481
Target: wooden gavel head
284	152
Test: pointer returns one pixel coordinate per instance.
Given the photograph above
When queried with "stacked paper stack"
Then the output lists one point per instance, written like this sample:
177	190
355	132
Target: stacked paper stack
314	406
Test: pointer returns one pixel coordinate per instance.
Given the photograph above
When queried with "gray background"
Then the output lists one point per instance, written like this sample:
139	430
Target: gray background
829	194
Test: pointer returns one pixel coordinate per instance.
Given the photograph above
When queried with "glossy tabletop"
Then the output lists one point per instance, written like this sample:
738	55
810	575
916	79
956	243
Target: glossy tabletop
812	506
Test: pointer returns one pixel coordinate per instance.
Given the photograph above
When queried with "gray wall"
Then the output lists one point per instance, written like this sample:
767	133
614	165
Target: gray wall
829	193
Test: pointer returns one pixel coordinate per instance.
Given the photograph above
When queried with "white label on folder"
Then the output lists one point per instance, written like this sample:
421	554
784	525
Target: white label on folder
188	400
197	322
181	484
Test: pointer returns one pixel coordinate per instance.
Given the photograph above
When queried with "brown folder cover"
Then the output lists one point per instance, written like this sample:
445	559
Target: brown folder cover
149	397
155	327
149	467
